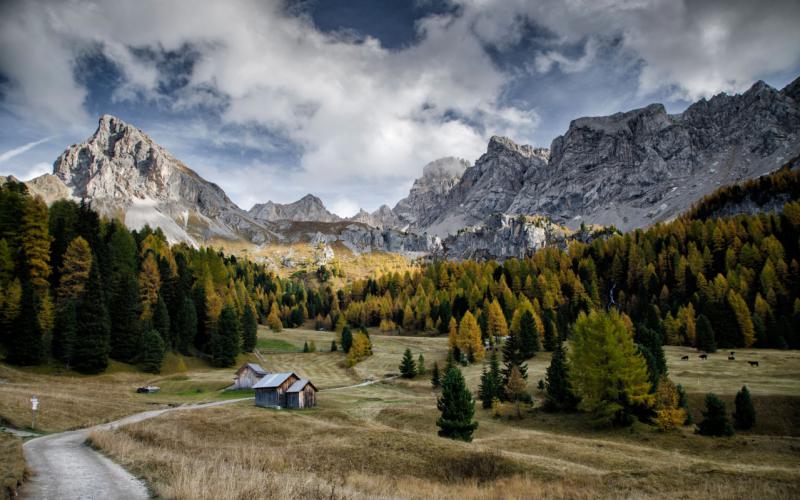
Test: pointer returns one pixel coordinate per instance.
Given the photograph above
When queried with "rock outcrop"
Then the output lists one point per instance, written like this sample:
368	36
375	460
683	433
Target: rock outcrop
307	208
428	195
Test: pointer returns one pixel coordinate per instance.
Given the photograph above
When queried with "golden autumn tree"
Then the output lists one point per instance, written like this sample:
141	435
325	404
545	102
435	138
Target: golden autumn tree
497	325
468	339
77	263
149	284
669	414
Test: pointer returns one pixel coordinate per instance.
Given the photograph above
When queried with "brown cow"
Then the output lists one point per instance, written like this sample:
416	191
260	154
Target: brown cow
704	356
685	358
753	363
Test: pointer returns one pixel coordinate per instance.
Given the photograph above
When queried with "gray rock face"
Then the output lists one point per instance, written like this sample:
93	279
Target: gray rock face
505	236
307	208
428	195
383	217
644	166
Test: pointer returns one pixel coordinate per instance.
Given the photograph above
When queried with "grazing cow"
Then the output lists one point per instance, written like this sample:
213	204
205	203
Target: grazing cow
733	353
753	363
731	358
685	358
704	356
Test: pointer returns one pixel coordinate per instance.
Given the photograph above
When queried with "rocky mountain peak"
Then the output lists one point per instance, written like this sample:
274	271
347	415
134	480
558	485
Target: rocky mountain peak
307	208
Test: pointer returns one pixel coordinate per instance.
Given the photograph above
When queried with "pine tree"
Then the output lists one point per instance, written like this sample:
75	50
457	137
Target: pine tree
408	369
529	335
715	419
435	379
274	319
333	346
92	343
25	340
516	388
347	339
225	341
486	388
683	402
649	344
512	356
124	316
249	329
152	352
186	324
161	321
305	347
421	365
457	407
606	370
705	335
557	385
745	416
64	333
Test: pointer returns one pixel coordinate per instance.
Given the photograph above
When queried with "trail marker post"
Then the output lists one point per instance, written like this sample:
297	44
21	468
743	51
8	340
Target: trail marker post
34	409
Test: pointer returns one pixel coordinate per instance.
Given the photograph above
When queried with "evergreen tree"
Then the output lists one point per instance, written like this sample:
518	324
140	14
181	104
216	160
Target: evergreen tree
152	352
34	242
161	321
649	344
421	365
77	262
64	333
606	370
745	416
435	378
491	387
516	388
683	402
186	323
715	419
249	329
705	335
333	346
347	339
512	356
225	341
274	319
92	343
408	369
25	340
124	317
468	339
559	395
529	335
457	407
305	347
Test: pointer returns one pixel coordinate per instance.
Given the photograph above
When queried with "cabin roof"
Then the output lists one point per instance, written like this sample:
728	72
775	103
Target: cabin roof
299	385
253	366
273	380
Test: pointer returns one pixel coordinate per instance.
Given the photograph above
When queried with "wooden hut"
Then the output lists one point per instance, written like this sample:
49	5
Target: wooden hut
247	376
271	389
301	394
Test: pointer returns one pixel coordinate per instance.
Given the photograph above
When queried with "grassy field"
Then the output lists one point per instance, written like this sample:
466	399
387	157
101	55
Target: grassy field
12	464
380	440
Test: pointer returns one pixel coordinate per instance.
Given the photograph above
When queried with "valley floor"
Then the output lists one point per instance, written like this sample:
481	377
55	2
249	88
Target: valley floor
380	440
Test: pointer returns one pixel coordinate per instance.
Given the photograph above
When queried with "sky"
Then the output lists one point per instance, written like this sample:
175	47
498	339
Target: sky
349	99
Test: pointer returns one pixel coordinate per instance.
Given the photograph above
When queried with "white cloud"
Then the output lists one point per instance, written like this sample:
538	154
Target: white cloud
344	207
37	170
11	153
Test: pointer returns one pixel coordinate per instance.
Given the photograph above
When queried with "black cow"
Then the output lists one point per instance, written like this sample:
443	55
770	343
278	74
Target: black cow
753	363
731	358
704	356
685	358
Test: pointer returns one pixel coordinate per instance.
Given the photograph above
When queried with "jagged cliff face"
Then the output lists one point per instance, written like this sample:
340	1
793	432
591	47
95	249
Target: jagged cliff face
644	166
307	208
428	194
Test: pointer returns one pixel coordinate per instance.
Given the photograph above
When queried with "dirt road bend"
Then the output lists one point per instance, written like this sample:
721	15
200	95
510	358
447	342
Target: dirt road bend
65	468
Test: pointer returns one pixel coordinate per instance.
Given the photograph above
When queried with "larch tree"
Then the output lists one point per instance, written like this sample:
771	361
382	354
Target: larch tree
497	325
274	318
77	263
516	388
607	372
149	285
469	338
35	244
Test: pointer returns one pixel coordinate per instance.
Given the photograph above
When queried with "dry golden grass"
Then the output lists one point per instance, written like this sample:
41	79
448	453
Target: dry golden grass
12	465
379	441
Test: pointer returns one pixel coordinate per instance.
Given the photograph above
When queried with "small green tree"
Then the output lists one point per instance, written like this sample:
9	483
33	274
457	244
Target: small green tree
683	402
408	369
559	395
529	335
249	329
312	347
421	365
334	348
705	335
745	416
715	418
436	381
516	389
347	339
305	347
457	407
152	352
491	386
225	341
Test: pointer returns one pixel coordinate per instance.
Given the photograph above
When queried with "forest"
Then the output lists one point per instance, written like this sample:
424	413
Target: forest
98	290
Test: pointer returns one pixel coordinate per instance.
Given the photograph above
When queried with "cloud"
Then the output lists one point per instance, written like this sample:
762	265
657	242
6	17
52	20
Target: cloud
11	153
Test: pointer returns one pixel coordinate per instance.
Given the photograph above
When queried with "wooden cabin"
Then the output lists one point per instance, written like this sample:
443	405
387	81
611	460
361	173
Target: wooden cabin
247	376
271	389
301	394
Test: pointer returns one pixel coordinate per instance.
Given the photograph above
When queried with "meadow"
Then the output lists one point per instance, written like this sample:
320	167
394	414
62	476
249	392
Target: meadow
380	440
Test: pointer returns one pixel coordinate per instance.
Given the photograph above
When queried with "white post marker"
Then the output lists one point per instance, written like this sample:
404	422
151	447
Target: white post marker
34	408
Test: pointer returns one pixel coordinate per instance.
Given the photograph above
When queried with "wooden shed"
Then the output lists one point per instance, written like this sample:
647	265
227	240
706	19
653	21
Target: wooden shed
301	394
271	389
247	376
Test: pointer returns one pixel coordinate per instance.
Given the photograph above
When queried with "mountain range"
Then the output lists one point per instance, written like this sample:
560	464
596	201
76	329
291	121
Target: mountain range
627	170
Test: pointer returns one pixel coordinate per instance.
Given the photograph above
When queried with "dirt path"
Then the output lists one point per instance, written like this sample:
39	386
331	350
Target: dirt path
65	468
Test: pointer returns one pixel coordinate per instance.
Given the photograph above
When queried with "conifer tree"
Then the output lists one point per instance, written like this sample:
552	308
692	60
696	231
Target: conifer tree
274	319
683	402
77	262
497	325
225	341
516	388
25	340
705	335
715	418
305	347
512	356
457	407
408	369
469	338
529	335
557	385
333	346
435	377
124	316
149	284
606	370
92	343
745	416
64	333
486	388
347	339
35	245
249	329
152	352
669	413
649	343
161	321
421	365
186	323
